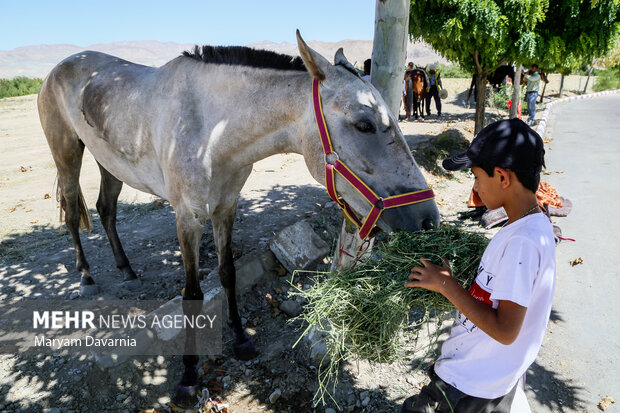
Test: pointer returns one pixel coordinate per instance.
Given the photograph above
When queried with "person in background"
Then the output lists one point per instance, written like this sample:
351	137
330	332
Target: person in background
410	66
532	79
367	65
434	86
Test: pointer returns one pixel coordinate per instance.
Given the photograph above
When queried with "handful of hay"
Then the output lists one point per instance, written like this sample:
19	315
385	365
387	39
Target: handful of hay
362	311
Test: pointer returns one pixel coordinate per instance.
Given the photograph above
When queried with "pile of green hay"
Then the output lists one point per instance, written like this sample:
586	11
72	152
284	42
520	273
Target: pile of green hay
363	311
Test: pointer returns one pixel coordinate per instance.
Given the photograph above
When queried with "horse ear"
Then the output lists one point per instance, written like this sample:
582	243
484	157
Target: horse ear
316	64
339	59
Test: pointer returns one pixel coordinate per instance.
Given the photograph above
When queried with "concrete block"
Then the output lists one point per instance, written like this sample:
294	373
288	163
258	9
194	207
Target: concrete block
248	275
298	247
173	308
144	340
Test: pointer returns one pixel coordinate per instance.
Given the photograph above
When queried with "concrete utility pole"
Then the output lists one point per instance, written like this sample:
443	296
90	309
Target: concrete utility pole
516	89
389	50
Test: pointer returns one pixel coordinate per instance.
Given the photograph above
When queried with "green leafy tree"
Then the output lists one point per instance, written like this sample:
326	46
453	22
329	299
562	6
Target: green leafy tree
575	33
478	34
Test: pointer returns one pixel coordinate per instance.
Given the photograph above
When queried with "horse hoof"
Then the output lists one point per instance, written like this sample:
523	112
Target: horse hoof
186	396
89	290
246	350
132	285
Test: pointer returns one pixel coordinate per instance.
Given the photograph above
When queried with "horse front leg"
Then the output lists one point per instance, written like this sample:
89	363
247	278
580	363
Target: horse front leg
109	190
222	221
189	231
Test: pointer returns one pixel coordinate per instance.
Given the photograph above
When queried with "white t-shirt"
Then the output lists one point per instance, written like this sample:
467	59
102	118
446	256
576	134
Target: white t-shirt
518	265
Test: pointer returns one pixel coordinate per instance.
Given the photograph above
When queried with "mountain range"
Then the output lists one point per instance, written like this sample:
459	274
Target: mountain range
37	61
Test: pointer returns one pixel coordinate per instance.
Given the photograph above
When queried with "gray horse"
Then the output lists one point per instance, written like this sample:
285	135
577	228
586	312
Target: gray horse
189	132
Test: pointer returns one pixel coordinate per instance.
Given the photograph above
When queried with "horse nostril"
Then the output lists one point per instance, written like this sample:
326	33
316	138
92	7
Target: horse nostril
428	224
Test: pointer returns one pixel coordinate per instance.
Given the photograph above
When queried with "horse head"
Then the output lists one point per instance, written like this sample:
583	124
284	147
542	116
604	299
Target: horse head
365	136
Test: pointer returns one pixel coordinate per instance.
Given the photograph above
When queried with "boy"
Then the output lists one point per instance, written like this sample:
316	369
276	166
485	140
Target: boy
502	319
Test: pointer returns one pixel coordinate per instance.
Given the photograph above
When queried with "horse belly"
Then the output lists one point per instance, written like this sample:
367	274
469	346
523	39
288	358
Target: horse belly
142	173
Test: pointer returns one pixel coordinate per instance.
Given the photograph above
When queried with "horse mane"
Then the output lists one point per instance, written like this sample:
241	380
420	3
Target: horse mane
245	56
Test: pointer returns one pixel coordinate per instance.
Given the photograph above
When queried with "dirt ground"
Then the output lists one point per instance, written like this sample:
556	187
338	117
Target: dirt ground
37	262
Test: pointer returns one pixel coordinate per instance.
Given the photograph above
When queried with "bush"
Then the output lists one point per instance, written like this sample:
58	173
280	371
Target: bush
452	71
500	97
607	80
19	86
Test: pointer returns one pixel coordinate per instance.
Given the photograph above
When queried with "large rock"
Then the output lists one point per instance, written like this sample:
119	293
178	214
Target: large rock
298	247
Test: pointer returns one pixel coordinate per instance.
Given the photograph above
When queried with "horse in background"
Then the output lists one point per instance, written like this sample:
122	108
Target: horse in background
415	92
407	95
495	79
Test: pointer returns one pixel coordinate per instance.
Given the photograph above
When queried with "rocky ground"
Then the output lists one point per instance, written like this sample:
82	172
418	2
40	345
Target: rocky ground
37	262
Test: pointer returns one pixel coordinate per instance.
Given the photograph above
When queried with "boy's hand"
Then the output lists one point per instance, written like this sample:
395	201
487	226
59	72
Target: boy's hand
431	277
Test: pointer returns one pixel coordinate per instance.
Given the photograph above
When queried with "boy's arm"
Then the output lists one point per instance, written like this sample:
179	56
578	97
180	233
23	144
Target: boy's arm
502	324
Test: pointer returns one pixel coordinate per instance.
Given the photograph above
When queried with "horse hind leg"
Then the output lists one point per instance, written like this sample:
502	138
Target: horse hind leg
109	190
67	152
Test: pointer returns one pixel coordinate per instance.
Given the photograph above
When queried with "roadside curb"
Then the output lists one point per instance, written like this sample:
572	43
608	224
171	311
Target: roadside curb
542	124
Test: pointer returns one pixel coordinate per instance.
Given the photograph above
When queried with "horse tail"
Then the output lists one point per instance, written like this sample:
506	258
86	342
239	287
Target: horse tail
86	221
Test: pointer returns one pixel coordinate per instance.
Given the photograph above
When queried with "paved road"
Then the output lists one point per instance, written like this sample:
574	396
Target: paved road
580	360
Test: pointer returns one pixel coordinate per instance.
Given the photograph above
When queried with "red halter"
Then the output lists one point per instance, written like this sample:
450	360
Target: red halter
333	164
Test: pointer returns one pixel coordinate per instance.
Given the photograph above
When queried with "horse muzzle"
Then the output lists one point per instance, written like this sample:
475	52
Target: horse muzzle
420	216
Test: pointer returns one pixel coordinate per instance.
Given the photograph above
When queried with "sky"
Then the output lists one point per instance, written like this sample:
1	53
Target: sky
217	22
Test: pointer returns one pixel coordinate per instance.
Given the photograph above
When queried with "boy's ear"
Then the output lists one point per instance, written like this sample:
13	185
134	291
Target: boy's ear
504	175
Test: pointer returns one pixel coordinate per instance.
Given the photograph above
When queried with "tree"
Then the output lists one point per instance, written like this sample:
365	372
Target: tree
575	33
478	34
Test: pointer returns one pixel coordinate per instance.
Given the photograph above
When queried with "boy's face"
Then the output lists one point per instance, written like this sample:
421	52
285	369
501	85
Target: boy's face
489	188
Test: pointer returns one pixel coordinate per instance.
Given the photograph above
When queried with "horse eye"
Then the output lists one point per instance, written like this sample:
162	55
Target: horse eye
365	126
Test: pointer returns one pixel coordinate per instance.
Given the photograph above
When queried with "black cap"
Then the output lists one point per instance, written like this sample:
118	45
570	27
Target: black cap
507	143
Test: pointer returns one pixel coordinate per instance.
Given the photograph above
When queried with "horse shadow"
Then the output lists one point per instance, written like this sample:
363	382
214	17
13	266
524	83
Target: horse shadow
40	265
460	99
